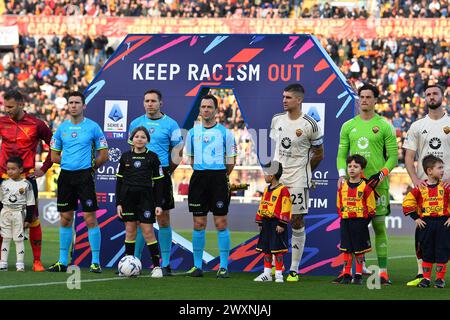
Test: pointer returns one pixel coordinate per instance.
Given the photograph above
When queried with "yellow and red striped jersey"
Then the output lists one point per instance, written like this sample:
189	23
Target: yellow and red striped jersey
355	200
275	203
429	201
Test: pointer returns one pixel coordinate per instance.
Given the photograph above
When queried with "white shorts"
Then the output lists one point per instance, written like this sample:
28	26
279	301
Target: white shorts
300	199
11	224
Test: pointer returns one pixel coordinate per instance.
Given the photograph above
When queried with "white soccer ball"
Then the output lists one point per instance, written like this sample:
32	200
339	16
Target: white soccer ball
129	266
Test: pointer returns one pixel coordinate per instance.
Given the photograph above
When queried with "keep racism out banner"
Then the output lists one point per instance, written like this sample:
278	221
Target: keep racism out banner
120	27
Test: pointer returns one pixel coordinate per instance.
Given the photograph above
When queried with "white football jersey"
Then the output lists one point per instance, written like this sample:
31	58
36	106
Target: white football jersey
16	194
427	136
294	139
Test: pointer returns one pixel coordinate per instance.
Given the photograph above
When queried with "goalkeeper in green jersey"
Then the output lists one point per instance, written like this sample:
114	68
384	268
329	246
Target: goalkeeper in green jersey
370	135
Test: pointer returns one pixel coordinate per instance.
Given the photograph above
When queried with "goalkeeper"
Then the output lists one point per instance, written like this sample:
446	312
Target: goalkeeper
370	135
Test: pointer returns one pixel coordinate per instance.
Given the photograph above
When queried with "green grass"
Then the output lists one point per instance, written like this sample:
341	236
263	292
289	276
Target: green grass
240	286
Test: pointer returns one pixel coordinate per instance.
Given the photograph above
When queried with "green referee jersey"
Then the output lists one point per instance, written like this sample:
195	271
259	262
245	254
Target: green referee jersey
375	140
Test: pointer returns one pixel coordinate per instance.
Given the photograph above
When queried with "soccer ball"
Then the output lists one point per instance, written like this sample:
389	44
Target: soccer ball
129	266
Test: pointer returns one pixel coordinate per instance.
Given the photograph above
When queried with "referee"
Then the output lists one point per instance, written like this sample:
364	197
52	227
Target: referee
212	154
73	146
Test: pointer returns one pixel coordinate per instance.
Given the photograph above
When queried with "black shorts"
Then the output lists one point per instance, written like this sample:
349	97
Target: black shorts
33	182
434	240
269	240
76	185
417	245
168	201
138	205
355	237
209	191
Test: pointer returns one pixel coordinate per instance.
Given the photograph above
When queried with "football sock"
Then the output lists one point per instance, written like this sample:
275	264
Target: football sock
154	252
419	266
359	260
129	247
441	269
165	242
5	249
279	262
297	244
381	242
223	239
95	240
20	251
348	258
65	240
427	268
198	244
267	263
140	243
36	239
1	239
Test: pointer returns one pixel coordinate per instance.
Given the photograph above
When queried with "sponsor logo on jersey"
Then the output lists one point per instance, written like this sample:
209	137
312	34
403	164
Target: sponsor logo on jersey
298	132
286	143
446	129
103	142
375	129
435	143
12	198
424	131
363	143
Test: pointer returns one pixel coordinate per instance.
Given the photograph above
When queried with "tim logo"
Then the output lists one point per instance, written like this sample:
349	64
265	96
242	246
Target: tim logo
115	114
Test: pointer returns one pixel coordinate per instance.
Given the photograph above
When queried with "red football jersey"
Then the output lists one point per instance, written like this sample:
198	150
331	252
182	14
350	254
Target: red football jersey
21	138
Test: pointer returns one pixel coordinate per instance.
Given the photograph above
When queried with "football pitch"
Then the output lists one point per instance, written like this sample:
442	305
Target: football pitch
240	286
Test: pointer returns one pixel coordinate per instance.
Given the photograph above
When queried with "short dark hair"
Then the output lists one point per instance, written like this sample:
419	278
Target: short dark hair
429	161
359	159
274	168
433	86
15	159
141	128
370	87
211	97
76	94
295	87
14	95
155	91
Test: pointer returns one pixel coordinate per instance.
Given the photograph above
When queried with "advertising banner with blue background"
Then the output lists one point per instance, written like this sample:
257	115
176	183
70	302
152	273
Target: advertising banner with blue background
257	68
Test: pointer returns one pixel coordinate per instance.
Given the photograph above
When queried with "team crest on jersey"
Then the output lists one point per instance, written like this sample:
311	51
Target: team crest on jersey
74	134
137	164
147	214
446	129
206	139
360	194
89	202
151	130
274	198
375	129
21	190
298	132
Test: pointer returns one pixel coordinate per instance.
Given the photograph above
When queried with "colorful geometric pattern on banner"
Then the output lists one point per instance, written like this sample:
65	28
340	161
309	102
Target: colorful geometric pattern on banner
257	68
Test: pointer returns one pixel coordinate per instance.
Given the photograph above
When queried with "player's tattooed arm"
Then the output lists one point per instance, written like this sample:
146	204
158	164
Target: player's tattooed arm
317	156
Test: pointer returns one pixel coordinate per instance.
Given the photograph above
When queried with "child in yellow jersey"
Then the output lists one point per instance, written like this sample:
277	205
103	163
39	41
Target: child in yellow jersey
356	206
273	216
429	207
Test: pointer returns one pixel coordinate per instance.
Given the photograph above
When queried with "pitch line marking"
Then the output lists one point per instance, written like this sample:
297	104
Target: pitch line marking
64	282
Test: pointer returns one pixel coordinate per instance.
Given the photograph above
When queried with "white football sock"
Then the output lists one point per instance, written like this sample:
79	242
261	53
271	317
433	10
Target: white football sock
298	245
